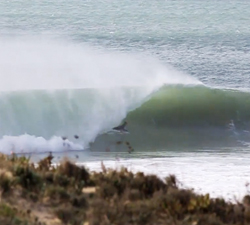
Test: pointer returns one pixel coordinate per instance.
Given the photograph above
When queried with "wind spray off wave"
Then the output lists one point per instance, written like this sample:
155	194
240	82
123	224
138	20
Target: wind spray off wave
52	88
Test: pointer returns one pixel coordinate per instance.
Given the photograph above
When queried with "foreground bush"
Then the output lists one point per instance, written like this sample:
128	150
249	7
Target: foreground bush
68	194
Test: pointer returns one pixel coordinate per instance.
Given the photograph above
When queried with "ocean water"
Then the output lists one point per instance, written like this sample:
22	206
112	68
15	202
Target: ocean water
176	71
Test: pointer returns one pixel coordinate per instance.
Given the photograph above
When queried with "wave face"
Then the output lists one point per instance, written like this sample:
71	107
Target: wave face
177	106
51	89
182	117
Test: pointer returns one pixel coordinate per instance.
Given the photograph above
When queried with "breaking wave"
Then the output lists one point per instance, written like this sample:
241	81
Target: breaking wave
52	88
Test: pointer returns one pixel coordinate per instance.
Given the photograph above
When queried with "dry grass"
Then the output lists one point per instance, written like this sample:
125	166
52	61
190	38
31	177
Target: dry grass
68	194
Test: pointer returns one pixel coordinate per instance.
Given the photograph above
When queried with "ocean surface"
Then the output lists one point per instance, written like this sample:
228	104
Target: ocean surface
177	71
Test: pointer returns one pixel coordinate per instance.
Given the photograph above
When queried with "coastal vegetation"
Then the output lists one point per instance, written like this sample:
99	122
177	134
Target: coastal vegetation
43	193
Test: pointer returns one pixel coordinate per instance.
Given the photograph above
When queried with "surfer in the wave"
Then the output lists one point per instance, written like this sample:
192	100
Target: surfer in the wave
121	128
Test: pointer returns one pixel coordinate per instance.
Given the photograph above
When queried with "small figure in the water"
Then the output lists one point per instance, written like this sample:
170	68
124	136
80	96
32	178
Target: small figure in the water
64	138
76	136
121	128
64	143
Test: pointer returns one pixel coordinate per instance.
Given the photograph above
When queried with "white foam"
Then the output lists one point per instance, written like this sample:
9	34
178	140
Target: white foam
32	144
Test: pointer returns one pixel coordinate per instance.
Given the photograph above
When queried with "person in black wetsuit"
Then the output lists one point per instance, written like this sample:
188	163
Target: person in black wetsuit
121	128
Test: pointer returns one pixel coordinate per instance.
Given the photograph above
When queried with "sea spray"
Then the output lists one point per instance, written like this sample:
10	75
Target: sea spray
31	64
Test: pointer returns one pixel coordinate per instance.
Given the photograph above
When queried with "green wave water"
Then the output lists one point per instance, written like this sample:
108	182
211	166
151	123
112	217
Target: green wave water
178	106
184	117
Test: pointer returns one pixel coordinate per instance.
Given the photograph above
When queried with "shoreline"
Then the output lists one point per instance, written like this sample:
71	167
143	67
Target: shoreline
71	194
226	173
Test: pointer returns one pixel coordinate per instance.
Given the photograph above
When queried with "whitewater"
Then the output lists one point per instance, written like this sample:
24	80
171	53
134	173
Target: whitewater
176	71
